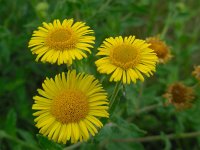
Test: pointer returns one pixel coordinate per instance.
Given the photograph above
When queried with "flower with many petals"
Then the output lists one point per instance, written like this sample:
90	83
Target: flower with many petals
127	59
61	42
69	108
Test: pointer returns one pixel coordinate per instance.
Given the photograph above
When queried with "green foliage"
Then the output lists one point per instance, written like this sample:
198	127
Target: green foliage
10	123
47	144
134	116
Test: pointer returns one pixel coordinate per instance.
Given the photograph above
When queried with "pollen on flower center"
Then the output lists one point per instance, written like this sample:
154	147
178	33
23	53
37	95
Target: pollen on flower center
60	35
125	56
61	39
70	106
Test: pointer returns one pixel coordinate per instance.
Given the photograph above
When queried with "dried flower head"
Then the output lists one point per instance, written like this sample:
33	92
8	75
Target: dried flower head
160	48
180	95
196	72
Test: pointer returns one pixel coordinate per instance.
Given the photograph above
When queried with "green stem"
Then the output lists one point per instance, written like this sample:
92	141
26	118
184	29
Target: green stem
166	27
148	108
102	8
74	146
145	110
169	20
139	98
113	97
3	134
195	86
160	137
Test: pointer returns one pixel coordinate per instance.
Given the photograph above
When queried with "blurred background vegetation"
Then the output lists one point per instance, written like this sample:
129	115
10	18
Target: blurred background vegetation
140	112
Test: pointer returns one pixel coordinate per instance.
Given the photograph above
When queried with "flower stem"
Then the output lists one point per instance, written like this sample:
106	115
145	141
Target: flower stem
195	86
29	146
139	98
115	92
145	109
148	108
160	137
74	146
168	22
166	27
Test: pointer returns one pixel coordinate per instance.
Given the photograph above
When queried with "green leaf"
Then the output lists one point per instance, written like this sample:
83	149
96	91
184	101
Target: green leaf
88	146
112	131
47	144
10	123
124	146
127	125
26	136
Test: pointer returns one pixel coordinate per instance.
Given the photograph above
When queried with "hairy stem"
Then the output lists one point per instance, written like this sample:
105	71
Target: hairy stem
159	137
170	17
114	95
144	110
74	146
148	108
195	86
139	98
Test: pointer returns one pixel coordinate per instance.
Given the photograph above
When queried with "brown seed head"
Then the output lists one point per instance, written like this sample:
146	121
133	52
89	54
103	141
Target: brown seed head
160	48
180	95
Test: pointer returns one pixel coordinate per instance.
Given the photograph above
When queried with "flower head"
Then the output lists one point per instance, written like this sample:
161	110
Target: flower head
68	109
180	95
160	48
196	72
61	42
126	59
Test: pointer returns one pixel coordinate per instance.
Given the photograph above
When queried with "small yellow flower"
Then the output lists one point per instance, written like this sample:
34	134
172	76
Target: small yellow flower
160	48
180	95
61	42
68	109
196	72
126	59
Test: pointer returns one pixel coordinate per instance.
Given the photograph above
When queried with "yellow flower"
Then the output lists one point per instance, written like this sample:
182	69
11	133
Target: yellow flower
126	59
160	48
180	95
61	43
68	109
196	72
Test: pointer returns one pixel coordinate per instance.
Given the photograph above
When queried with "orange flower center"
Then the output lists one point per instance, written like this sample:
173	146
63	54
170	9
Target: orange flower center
61	39
70	106
125	56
